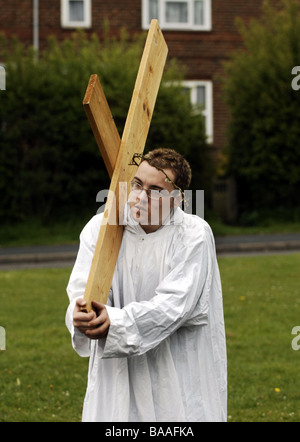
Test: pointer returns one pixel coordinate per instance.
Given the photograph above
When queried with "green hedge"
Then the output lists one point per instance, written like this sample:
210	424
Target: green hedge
50	164
264	131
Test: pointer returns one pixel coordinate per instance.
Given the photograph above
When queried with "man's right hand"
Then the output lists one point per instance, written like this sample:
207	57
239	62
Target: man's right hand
81	320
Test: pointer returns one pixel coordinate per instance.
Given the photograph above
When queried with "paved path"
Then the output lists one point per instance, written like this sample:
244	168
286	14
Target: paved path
37	256
253	244
65	255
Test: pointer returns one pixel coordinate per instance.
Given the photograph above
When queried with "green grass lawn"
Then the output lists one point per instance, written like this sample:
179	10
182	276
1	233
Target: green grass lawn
262	305
43	379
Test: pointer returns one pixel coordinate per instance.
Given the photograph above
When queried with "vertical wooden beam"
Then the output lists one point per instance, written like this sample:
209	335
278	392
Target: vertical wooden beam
133	141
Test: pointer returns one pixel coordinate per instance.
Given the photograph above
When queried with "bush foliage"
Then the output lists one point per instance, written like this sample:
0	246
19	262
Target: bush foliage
50	164
264	131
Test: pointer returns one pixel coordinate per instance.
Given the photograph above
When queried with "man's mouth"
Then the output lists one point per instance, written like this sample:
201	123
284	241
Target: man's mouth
141	208
140	211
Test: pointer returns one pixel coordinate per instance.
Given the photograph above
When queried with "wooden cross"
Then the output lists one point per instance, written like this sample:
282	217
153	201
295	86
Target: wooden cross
117	154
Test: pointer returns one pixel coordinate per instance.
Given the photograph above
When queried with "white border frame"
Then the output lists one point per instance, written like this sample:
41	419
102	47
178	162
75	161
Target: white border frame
86	23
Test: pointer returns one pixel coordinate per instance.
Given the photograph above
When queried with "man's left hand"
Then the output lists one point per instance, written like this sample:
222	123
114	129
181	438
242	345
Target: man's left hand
98	327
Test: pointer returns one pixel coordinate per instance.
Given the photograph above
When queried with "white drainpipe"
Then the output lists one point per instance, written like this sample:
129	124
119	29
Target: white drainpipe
36	25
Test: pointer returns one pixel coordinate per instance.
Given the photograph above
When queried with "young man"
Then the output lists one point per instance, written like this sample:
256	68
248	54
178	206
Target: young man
157	349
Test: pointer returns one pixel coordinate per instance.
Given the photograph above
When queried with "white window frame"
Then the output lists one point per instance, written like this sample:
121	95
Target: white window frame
188	26
65	15
208	111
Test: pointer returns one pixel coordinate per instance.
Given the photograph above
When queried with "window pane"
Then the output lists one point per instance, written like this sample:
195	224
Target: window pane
76	10
201	96
153	9
199	12
176	12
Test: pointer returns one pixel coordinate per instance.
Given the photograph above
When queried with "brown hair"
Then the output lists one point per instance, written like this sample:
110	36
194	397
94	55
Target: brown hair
164	158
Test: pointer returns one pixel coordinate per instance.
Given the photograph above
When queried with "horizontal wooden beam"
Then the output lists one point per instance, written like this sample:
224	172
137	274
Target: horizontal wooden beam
102	123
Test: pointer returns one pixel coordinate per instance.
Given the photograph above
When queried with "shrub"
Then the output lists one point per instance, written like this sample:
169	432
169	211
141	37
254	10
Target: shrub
49	161
264	131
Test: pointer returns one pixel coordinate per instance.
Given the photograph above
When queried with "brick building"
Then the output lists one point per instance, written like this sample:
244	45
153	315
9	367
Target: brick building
200	33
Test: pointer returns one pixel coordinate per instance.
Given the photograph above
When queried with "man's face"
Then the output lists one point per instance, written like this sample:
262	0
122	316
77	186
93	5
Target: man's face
148	212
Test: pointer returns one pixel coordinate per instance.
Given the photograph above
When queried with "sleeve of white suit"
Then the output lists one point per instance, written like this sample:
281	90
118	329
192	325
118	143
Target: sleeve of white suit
180	300
78	280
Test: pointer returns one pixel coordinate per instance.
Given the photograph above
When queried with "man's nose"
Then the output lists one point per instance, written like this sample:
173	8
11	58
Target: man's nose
143	196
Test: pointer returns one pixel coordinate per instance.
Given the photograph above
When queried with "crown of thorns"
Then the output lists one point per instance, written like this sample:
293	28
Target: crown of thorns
139	157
